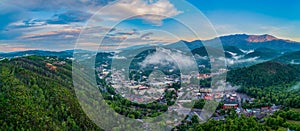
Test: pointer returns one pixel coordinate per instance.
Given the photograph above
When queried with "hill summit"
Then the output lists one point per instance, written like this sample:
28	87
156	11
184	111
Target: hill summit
261	38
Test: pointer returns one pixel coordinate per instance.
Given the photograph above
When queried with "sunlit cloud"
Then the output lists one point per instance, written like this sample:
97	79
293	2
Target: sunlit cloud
15	47
138	8
67	33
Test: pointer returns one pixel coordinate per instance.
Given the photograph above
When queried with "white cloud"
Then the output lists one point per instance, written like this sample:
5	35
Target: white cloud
234	55
247	51
119	57
139	8
201	57
54	5
9	47
296	87
231	53
165	57
237	61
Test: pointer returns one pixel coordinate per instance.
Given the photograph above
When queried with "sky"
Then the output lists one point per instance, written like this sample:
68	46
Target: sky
113	24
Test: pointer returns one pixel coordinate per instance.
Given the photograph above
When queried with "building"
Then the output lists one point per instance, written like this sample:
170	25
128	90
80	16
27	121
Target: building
204	90
142	87
184	101
203	76
260	116
208	97
219	95
50	66
59	63
218	118
230	106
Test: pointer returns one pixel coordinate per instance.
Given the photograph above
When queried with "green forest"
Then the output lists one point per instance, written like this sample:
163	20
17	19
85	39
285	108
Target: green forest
38	95
34	97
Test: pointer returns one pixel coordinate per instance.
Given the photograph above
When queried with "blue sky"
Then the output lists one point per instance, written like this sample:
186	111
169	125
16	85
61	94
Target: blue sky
56	24
279	18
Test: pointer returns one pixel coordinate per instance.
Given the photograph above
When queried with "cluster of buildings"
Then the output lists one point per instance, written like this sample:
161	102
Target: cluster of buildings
259	113
152	85
234	100
203	76
60	63
208	94
103	71
117	77
138	90
50	66
53	65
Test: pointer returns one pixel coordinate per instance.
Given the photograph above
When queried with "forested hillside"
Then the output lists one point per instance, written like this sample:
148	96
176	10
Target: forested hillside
36	93
291	57
269	83
264	74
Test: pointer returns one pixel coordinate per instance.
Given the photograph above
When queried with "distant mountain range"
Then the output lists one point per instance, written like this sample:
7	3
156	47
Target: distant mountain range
239	50
242	41
37	52
245	42
63	54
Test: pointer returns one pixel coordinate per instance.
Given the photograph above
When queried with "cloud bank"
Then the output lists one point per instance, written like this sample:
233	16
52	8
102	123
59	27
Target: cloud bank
166	57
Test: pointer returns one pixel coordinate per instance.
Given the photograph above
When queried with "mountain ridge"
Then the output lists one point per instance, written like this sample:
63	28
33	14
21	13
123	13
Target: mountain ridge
261	38
227	40
243	41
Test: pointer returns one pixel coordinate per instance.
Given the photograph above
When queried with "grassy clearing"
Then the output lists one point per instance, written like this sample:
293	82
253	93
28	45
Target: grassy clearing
295	109
294	122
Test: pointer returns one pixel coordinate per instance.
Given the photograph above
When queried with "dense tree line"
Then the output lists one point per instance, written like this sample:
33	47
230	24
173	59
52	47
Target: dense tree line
283	118
279	95
232	123
34	97
264	75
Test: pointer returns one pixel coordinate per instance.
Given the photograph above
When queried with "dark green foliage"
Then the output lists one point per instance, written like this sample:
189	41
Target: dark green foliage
231	124
263	53
264	74
36	98
282	119
289	57
269	83
279	95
